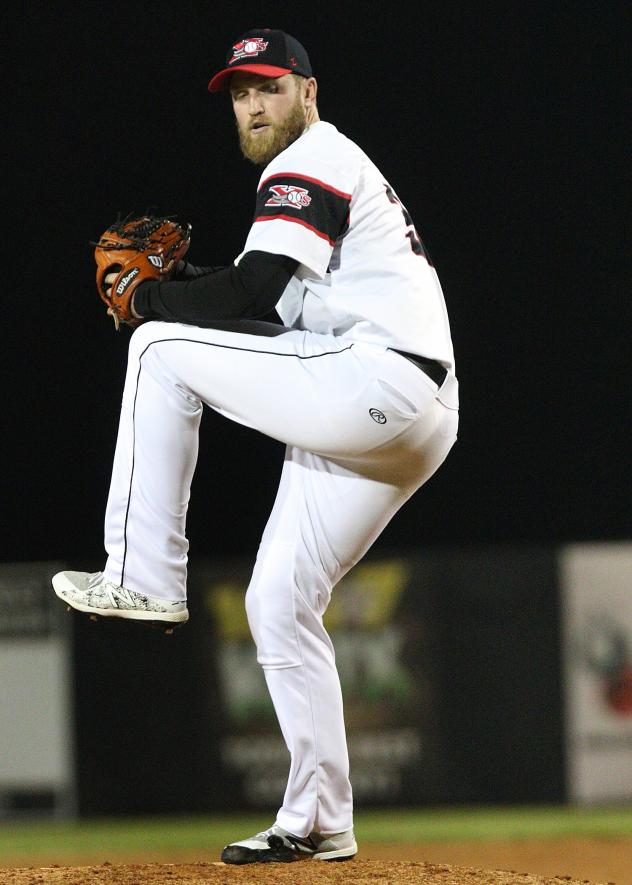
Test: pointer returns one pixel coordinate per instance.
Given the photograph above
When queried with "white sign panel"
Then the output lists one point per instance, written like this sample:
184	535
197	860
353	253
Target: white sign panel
36	709
596	582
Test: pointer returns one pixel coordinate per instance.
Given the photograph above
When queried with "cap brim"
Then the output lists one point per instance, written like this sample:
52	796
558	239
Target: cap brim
220	81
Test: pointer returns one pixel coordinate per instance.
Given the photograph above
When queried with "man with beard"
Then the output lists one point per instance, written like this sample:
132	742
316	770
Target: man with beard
358	383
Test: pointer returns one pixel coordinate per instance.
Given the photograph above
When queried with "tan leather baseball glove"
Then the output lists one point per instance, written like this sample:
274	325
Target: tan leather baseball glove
136	249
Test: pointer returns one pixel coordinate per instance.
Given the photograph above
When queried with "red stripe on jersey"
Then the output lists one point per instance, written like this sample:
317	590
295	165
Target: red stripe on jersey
300	221
317	181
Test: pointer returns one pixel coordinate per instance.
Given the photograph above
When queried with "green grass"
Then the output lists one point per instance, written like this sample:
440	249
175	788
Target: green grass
109	838
492	823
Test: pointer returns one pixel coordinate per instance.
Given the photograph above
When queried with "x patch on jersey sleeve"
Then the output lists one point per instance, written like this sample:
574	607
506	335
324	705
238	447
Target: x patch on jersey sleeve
303	200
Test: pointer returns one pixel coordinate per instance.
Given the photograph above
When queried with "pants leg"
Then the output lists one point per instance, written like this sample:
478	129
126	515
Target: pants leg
327	514
265	381
154	462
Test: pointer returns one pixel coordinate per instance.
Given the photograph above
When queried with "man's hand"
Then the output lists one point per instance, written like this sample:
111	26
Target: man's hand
109	279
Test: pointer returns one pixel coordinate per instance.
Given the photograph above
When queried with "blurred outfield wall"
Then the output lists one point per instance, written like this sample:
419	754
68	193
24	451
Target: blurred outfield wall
469	675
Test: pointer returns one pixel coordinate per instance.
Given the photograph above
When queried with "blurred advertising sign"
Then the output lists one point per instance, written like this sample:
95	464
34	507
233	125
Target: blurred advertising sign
36	705
388	688
28	606
596	582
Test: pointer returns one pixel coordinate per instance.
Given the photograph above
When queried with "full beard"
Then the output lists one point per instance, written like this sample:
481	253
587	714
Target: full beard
260	149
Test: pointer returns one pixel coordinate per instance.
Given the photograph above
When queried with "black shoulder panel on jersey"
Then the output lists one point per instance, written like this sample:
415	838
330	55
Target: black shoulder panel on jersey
314	204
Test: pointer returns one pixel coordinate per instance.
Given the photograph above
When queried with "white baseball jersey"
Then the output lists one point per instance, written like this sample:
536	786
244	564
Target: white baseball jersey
364	273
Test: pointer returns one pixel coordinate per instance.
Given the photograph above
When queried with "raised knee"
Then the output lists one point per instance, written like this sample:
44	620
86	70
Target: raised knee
144	335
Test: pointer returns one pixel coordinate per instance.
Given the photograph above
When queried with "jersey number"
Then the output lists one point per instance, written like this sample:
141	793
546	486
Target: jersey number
413	237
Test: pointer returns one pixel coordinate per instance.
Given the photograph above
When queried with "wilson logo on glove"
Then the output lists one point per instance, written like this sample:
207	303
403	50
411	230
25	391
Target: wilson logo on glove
126	280
288	195
156	260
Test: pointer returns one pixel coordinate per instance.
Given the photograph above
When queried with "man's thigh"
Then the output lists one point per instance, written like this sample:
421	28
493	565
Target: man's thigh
316	392
326	516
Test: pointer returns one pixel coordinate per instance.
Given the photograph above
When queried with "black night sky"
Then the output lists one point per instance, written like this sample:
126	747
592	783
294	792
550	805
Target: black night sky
500	127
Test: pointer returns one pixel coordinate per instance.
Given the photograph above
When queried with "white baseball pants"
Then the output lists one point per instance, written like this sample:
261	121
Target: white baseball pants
364	428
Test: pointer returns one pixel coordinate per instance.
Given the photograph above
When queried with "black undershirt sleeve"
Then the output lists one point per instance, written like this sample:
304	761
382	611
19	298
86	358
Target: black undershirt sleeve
246	291
186	271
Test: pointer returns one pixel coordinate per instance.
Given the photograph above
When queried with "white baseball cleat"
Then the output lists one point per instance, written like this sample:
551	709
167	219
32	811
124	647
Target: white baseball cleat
276	845
92	594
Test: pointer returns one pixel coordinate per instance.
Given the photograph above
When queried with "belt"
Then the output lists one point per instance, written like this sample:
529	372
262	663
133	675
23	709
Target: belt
432	368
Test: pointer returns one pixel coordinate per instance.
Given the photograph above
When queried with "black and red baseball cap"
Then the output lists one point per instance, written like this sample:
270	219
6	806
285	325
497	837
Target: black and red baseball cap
267	52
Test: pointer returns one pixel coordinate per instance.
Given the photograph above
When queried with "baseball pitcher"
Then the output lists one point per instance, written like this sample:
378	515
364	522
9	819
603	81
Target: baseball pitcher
358	383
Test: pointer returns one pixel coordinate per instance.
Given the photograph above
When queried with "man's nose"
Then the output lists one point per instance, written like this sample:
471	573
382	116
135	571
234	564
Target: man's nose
256	105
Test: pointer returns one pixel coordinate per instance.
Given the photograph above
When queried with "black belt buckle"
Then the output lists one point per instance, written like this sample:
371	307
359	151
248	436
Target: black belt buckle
434	370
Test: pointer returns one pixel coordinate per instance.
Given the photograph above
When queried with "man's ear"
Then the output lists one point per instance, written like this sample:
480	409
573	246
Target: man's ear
311	90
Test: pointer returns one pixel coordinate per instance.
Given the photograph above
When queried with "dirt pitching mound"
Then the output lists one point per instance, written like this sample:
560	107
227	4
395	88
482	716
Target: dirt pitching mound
360	872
